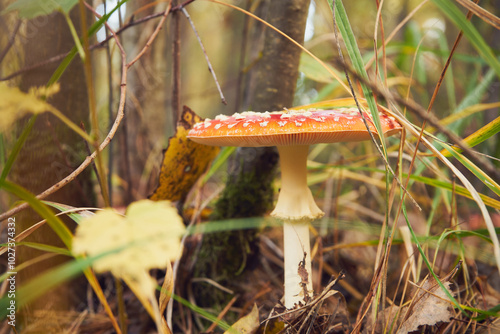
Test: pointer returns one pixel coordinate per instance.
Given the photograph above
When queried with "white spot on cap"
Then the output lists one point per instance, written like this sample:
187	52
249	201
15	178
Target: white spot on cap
283	116
264	123
207	124
282	123
239	116
336	118
231	125
245	124
221	117
217	126
298	123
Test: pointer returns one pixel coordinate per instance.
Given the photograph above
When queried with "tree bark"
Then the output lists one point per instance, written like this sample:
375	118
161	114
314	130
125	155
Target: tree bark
277	74
52	150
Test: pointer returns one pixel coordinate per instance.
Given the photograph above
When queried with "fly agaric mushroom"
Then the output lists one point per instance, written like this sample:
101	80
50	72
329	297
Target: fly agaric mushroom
292	132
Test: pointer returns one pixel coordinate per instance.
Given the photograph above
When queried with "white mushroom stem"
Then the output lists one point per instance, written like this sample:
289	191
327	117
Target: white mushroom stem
296	243
297	208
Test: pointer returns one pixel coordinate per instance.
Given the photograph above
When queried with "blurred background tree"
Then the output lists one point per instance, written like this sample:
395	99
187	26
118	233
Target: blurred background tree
52	150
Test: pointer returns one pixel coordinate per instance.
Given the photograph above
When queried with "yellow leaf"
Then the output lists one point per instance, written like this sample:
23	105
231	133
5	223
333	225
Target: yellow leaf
15	104
184	161
147	237
247	324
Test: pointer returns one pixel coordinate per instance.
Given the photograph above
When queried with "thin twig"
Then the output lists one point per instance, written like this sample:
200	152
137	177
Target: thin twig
176	69
89	152
396	30
222	314
380	5
35	66
132	23
12	37
153	35
210	68
110	108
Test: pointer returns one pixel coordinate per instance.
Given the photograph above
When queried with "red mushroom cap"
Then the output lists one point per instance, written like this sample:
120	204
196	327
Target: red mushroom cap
293	127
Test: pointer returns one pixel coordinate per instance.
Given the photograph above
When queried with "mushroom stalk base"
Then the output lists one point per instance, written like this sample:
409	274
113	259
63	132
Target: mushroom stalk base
297	250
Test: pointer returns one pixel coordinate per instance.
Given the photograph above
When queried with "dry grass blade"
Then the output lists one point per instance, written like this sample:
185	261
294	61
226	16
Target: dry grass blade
303	318
165	295
166	290
421	112
222	314
21	236
482	13
468	185
210	68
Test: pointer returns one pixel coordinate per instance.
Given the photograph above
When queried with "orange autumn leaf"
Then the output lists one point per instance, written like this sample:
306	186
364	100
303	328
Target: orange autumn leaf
184	161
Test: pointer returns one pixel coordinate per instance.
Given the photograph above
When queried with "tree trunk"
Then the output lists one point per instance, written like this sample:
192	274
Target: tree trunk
52	150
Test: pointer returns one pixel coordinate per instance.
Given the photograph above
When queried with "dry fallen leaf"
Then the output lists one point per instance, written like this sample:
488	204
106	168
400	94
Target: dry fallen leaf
247	324
184	161
430	305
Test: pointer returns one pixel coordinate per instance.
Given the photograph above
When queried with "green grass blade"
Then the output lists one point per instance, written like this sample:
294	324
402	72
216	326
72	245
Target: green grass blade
357	62
474	37
427	263
483	133
224	154
45	248
202	312
450	84
456	119
17	148
41	284
487	180
54	222
76	214
459	190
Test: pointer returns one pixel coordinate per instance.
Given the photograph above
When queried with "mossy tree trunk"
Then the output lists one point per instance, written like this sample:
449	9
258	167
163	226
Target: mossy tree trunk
248	193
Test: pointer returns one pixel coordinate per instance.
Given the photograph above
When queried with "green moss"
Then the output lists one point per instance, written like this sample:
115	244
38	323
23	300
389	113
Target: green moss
226	255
